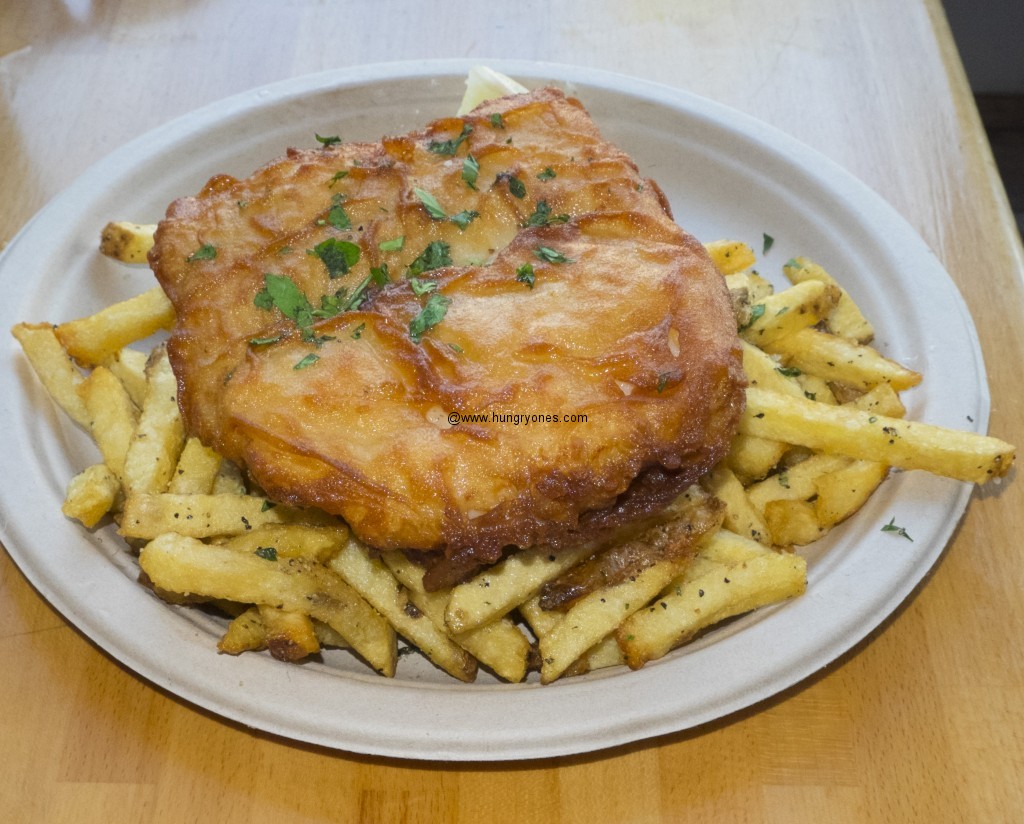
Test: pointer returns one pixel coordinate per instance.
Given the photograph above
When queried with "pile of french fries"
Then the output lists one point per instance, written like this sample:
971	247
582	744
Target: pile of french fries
823	425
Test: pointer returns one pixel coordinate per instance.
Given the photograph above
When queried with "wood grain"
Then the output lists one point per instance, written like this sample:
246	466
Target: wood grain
922	722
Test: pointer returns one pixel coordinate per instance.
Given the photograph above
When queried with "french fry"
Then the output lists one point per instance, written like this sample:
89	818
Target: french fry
97	338
129	365
91	494
718	585
730	256
839	430
741	516
245	632
498	590
54	368
196	471
290	635
160	435
499	645
185	565
112	414
841	493
596	615
795	483
127	242
751	458
792	310
792	522
846	318
838	360
374	582
199	516
314	542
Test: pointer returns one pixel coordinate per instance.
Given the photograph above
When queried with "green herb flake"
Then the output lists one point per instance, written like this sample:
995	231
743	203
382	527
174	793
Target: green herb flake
542	216
470	171
337	255
497	121
899	530
267	553
307	361
756	311
357	333
328	141
430	315
464	218
393	245
436	255
430	204
792	263
205	252
422	287
788	371
336	216
281	292
448	148
380	274
768	242
264	341
550	255
516	187
525	274
338	176
662	382
547	174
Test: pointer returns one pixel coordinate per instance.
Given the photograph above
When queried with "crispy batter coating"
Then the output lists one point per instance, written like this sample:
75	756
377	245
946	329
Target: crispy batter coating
538	275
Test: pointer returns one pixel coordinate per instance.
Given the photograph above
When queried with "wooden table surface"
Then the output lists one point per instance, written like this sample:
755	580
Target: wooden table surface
923	722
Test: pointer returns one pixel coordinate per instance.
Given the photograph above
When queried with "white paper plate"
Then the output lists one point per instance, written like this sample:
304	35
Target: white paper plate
726	175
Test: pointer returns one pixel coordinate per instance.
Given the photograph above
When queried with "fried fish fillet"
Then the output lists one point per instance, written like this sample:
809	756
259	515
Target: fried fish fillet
340	309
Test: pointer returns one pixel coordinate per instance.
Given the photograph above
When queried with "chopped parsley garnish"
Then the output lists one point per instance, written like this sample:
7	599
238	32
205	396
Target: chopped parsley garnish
328	141
338	256
267	553
793	263
542	216
788	371
281	292
357	333
899	530
430	204
516	187
662	382
768	243
422	287
464	218
265	341
337	217
380	274
430	315
470	171
525	274
436	255
497	120
393	245
447	148
307	361
338	176
205	252
550	255
755	312
547	174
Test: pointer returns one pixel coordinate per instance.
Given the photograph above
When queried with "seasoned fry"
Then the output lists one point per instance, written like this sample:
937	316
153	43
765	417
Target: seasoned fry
290	635
846	318
54	368
313	542
715	587
374	582
199	516
184	565
499	645
496	591
245	632
196	472
965	456
160	435
130	367
730	256
788	312
741	516
843	492
112	414
835	359
95	339
127	242
91	494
